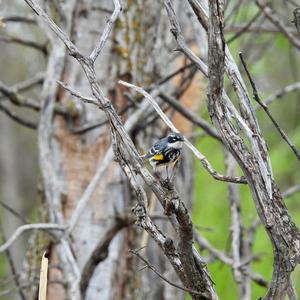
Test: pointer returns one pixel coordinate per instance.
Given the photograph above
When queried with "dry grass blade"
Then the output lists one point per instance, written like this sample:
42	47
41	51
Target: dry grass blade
43	278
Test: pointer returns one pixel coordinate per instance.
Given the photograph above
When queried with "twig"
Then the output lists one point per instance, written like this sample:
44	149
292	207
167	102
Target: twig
194	118
23	85
280	93
17	118
221	256
23	42
100	44
236	227
275	20
18	18
88	126
173	74
291	191
244	28
257	28
78	95
199	155
151	267
266	109
11	262
20	230
16	99
13	212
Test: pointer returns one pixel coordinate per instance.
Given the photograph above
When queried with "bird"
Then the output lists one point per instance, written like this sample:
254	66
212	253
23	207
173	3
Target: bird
165	151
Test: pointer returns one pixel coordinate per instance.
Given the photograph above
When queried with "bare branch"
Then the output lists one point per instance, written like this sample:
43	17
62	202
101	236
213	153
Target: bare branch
23	42
16	99
18	18
281	93
17	118
23	85
199	155
106	31
62	35
20	230
151	267
265	108
244	28
291	191
78	95
275	20
221	256
194	118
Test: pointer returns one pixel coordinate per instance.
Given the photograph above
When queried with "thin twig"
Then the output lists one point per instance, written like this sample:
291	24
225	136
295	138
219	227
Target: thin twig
244	28
78	95
100	44
275	20
291	191
266	109
11	114
280	93
151	267
194	118
18	18
11	262
13	212
23	42
20	230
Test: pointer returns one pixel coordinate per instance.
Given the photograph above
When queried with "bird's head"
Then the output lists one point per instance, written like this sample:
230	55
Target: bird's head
175	140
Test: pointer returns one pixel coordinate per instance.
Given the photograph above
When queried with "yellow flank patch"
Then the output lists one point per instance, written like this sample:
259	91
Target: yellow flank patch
159	156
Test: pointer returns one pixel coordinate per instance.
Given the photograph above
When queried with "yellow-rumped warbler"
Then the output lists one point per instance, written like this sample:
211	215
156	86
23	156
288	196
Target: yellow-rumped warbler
165	151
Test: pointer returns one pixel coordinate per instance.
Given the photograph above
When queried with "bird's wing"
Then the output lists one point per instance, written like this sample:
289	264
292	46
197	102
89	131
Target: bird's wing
156	150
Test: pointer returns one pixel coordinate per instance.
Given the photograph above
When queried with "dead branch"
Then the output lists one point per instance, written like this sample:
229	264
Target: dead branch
206	164
194	118
27	43
265	108
291	191
20	230
275	20
13	115
151	267
281	93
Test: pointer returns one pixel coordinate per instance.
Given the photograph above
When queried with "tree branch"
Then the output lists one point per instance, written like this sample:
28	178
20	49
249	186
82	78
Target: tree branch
20	230
151	267
265	108
197	153
109	25
275	20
